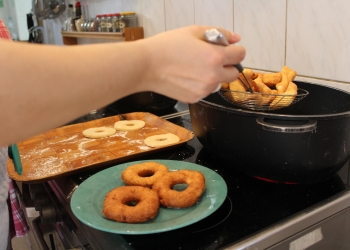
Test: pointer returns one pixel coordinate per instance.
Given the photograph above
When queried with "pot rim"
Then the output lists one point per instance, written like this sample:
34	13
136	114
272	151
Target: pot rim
247	112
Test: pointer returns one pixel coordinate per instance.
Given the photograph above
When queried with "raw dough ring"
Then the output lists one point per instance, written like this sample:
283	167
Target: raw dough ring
98	132
129	125
155	141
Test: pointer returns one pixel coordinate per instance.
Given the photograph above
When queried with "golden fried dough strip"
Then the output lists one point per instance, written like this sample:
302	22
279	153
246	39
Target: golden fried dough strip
289	72
265	90
271	79
283	85
237	85
284	101
248	73
225	85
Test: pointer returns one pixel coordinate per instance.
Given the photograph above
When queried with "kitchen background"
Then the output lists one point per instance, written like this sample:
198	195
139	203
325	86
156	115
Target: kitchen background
311	37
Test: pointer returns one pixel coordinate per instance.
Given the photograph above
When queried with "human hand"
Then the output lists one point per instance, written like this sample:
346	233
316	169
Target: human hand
181	65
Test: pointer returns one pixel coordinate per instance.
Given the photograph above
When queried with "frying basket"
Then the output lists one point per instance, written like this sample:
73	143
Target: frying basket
259	101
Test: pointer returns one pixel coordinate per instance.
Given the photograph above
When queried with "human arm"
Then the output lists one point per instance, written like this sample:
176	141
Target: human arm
43	86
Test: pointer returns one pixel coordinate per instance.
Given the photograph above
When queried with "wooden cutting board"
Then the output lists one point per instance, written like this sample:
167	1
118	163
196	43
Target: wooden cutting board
65	150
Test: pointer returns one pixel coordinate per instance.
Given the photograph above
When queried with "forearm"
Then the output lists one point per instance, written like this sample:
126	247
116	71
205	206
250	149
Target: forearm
52	90
42	87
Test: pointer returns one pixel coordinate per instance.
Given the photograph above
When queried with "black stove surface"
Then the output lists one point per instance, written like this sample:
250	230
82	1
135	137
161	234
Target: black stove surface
251	204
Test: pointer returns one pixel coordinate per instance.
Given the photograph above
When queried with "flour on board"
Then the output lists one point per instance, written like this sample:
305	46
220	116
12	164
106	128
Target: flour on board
46	167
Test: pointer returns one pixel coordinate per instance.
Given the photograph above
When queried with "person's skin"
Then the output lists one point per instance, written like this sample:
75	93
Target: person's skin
43	86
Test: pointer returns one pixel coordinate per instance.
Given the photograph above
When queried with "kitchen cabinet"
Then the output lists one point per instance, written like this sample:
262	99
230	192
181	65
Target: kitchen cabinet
129	34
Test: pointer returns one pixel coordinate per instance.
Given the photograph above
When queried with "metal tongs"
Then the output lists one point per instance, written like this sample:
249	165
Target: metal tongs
216	37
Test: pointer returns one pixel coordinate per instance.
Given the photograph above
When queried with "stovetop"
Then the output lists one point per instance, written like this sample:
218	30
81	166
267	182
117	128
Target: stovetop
251	205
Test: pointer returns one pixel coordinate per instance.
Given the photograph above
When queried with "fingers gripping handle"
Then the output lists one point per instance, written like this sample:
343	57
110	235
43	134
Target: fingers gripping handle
216	37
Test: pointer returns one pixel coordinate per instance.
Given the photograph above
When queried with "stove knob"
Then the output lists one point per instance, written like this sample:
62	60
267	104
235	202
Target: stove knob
34	189
40	199
48	214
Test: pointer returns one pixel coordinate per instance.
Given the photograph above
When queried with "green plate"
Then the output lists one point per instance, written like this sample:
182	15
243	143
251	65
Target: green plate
87	201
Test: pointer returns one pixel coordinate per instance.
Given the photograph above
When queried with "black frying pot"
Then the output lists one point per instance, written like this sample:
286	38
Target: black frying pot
144	102
307	142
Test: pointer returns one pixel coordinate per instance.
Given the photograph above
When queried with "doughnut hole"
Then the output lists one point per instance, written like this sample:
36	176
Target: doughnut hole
131	202
179	187
162	139
146	173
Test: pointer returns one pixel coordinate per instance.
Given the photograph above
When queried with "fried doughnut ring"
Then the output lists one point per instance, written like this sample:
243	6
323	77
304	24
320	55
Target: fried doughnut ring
171	198
143	174
119	204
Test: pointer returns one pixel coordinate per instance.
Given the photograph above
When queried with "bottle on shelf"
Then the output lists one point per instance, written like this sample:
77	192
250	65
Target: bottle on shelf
69	24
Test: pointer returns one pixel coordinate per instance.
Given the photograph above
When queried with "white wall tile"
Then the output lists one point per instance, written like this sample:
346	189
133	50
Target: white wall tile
135	6
104	7
153	17
23	33
310	36
131	5
179	13
23	7
261	23
214	13
318	38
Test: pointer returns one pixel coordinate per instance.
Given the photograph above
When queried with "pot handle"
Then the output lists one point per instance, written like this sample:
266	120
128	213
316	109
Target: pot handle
286	126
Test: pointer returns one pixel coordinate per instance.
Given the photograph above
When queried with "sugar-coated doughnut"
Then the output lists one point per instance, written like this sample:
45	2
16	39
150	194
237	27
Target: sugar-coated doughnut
129	125
155	141
131	204
143	174
169	197
99	132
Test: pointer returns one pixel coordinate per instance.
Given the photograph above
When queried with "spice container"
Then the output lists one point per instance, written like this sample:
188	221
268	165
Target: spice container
103	23
85	24
94	25
109	23
97	22
116	22
129	19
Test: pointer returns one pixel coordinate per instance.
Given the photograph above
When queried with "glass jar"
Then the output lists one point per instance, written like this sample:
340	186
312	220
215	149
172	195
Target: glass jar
103	23
85	24
97	26
130	19
116	21
94	25
109	23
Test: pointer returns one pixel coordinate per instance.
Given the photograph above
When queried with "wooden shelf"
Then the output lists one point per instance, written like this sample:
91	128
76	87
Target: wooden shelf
130	34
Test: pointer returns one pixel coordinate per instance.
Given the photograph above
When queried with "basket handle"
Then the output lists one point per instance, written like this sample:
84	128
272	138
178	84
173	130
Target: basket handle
286	126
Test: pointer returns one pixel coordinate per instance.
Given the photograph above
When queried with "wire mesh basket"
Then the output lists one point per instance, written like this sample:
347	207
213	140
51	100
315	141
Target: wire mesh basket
261	102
